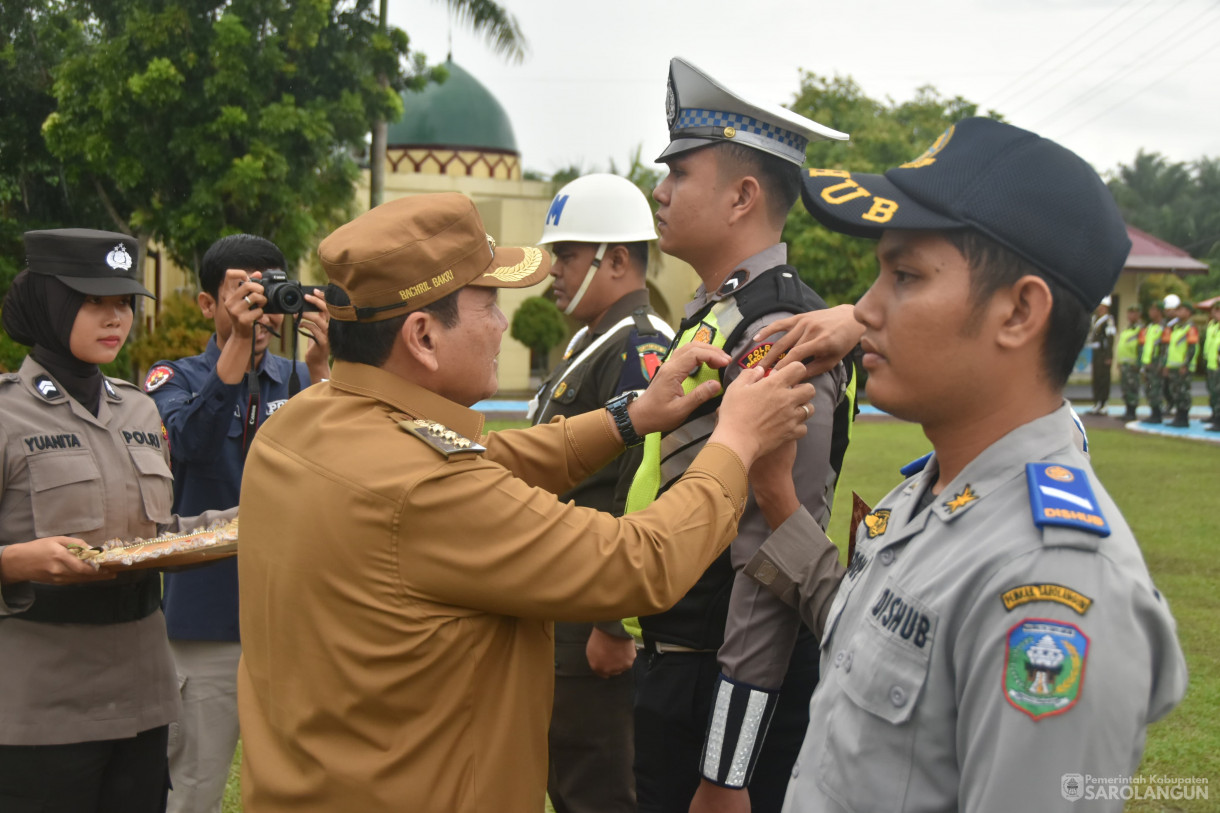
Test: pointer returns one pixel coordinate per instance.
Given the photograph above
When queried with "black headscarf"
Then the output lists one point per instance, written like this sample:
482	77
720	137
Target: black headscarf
39	312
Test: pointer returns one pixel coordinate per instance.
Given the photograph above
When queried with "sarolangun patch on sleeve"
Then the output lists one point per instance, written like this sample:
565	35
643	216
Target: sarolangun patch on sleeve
1057	593
651	355
1044	666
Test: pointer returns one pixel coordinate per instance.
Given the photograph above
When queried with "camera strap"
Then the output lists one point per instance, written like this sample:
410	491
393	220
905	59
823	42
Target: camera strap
294	379
252	405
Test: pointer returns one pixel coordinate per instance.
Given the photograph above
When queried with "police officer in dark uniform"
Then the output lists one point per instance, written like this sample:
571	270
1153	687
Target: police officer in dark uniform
729	671
599	228
87	690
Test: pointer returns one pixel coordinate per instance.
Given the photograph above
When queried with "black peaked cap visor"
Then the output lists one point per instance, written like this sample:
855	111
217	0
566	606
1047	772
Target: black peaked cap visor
105	286
866	215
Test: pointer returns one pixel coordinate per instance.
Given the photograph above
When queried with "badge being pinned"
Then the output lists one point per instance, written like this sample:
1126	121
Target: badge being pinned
1044	666
1061	495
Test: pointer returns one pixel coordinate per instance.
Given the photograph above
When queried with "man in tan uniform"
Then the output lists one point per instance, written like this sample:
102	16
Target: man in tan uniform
398	579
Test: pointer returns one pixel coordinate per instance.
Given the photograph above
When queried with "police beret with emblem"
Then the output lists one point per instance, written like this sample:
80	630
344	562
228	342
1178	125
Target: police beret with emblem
97	263
701	111
412	251
1036	198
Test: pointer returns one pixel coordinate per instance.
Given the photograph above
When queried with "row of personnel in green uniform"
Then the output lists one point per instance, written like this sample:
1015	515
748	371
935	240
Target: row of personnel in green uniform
1162	354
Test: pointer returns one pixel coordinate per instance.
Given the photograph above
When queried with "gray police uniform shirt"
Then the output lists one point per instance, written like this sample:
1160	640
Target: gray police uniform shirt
761	630
66	472
974	660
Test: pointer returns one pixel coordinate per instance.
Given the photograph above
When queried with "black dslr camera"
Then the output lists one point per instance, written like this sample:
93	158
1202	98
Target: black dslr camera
283	295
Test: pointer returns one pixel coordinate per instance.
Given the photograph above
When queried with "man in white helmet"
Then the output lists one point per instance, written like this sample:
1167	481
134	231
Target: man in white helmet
598	228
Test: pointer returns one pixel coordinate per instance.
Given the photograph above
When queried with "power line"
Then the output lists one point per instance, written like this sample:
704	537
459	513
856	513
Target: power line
1128	97
1071	48
1139	61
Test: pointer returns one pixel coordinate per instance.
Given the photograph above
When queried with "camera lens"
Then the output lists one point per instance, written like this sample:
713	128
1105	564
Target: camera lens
289	299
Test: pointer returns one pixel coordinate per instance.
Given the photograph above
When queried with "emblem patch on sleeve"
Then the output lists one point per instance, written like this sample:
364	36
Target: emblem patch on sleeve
704	334
1061	495
651	355
157	377
1044	666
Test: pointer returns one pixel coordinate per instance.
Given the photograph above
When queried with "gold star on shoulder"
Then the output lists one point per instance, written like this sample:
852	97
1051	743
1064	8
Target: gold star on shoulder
961	500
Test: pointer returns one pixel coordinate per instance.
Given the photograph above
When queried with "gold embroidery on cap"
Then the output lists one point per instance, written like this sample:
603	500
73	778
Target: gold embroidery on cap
929	155
515	273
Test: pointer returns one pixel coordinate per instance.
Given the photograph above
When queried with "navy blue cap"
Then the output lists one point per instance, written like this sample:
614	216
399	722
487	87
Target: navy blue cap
1036	198
97	263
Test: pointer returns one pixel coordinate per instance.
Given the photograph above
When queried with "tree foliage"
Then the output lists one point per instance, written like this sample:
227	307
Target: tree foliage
884	134
182	330
186	120
34	190
1179	203
193	119
538	324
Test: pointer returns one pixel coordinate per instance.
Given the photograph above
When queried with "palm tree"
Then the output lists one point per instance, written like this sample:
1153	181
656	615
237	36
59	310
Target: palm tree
503	35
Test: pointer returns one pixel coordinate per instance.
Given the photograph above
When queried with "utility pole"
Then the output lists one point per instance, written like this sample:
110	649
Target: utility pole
377	152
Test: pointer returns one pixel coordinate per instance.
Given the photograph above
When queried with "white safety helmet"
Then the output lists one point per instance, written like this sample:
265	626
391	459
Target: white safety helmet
598	208
1172	301
602	209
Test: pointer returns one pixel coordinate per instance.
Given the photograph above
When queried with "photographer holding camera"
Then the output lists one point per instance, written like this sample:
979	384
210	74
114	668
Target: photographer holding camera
211	405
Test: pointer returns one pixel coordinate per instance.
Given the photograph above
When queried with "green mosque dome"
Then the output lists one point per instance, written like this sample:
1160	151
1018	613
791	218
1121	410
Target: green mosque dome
457	113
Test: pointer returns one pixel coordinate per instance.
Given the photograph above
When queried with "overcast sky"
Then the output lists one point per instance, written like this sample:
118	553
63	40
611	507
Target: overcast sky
1103	77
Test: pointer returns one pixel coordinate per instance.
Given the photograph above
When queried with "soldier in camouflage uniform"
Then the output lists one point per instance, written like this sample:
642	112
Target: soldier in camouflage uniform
1152	361
1127	350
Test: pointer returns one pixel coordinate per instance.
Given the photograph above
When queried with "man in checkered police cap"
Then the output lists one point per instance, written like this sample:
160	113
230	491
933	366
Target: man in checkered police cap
996	639
725	676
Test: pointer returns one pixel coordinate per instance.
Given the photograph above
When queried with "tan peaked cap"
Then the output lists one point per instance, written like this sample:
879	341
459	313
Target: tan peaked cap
412	251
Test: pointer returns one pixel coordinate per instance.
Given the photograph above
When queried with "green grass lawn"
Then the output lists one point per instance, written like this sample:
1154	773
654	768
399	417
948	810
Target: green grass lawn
1163	486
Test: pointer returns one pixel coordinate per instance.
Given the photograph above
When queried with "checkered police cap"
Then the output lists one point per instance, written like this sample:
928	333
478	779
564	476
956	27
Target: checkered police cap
1026	192
700	111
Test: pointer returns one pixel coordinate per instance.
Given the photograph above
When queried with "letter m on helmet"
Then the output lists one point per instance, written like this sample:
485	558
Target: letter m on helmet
556	210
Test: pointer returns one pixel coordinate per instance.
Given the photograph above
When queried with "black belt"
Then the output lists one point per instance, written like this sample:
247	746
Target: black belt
94	603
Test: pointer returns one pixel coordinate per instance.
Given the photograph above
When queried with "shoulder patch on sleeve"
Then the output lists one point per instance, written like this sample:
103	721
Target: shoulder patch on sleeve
441	438
1044	666
1025	593
157	377
755	355
1061	495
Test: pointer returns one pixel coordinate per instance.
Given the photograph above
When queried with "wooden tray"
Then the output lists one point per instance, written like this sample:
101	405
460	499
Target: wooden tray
169	550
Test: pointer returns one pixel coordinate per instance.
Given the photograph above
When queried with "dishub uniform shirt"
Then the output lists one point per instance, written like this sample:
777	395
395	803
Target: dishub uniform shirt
979	655
396	602
66	472
205	422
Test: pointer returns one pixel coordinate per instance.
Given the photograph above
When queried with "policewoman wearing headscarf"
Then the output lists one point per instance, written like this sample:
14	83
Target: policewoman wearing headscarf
87	685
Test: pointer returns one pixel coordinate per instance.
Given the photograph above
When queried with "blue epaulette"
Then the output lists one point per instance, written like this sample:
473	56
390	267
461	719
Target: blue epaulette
915	466
1062	495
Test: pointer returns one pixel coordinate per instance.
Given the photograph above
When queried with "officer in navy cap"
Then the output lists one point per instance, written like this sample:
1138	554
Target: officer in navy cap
88	686
997	639
725	678
96	263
